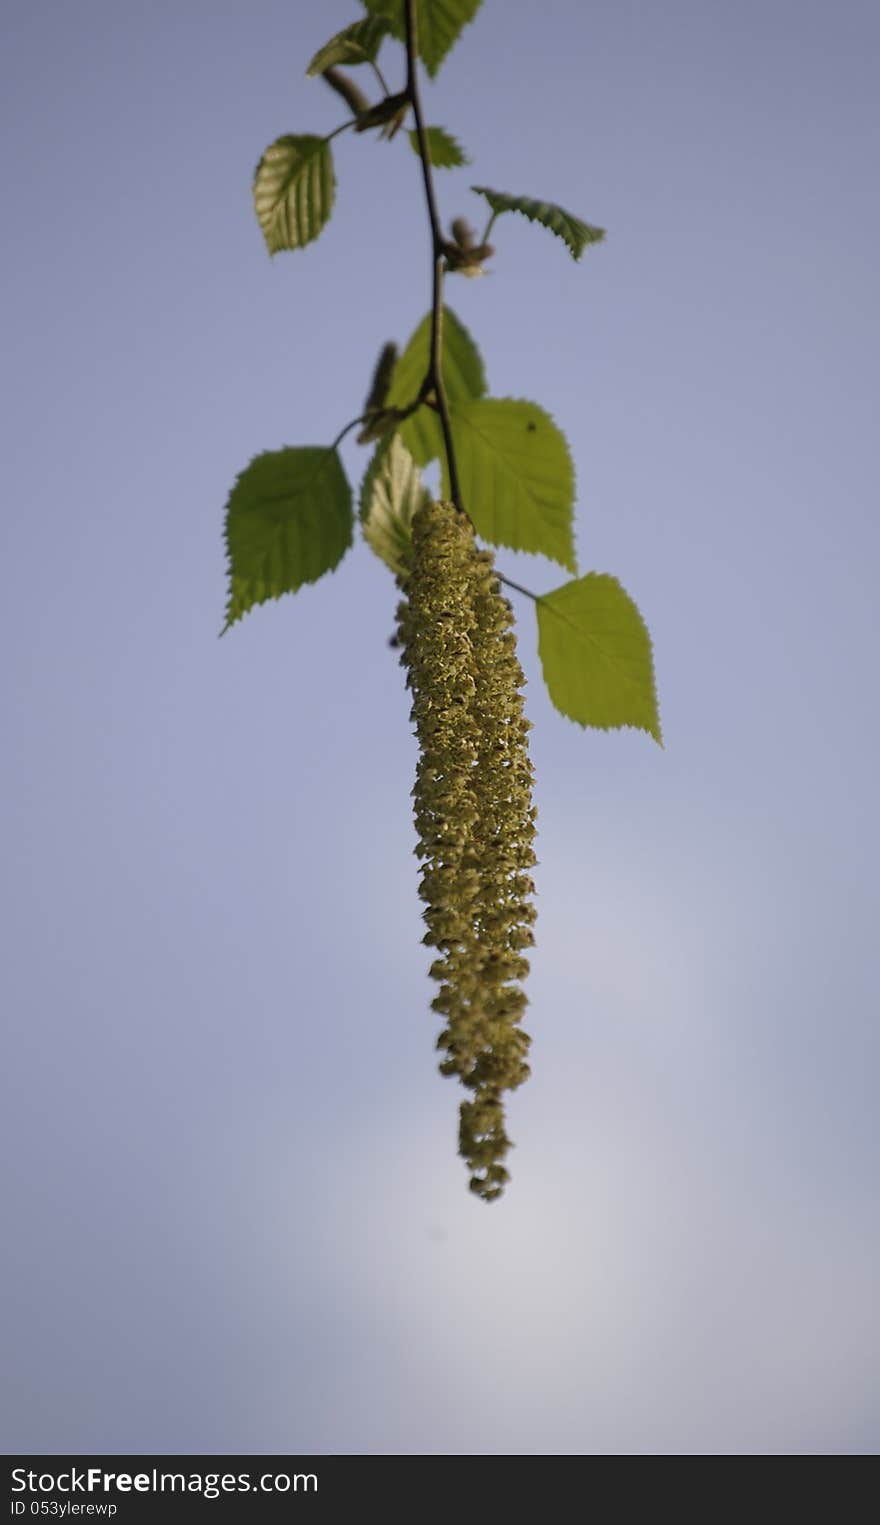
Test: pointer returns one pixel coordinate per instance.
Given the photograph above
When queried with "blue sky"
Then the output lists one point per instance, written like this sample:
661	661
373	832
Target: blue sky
238	1222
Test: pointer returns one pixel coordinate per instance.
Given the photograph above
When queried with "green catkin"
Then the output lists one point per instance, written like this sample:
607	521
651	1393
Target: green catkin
474	819
351	93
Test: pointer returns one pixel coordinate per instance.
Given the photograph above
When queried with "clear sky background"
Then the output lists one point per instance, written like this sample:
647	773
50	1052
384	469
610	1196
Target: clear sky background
235	1216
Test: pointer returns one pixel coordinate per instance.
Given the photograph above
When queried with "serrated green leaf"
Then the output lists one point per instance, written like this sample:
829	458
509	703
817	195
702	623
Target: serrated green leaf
355	44
294	189
463	378
571	230
288	521
596	654
390	494
438	23
516	476
444	152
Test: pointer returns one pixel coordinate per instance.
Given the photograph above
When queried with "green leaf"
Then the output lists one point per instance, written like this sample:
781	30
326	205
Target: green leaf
596	654
444	152
438	23
294	188
463	378
390	494
288	521
571	230
516	476
355	44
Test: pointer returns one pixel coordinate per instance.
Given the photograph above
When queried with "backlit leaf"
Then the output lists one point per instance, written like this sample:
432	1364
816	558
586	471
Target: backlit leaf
443	150
288	521
438	23
516	476
571	230
391	492
596	654
355	44
294	189
463	378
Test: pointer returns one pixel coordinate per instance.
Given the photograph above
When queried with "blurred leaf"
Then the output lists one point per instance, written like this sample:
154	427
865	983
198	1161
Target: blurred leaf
463	378
390	494
288	521
355	44
596	654
516	476
377	419
571	230
438	23
443	150
294	188
381	378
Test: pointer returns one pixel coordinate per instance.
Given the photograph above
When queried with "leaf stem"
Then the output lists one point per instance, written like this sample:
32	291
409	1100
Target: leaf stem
527	592
380	76
347	430
400	415
337	130
434	377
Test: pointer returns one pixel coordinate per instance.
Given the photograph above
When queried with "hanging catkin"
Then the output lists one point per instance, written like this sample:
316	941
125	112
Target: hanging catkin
474	819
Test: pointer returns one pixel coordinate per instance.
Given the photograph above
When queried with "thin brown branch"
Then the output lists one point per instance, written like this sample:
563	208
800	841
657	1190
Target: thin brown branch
434	378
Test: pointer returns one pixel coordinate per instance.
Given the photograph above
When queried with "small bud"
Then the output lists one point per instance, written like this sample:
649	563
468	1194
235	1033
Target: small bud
462	233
